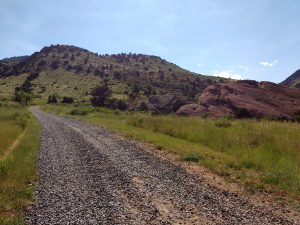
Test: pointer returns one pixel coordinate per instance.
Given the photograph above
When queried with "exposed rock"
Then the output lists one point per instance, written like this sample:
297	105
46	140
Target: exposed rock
191	109
166	103
293	80
246	99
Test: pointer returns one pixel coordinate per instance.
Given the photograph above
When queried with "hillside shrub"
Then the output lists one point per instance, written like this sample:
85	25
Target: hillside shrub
68	100
52	99
99	96
122	105
242	113
296	117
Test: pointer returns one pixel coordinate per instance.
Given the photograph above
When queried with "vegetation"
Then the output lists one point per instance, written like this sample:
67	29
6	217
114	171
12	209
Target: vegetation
100	96
75	72
18	164
68	100
261	153
52	99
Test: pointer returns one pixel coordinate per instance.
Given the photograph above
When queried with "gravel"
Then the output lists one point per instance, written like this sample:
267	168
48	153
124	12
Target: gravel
89	175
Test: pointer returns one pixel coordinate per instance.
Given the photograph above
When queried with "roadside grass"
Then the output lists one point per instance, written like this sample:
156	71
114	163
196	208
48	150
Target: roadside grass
260	154
18	169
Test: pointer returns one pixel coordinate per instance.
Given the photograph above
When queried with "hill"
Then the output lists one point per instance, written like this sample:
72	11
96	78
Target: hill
293	80
74	72
141	82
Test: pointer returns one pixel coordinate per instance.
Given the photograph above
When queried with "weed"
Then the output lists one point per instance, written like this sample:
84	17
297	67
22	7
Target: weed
248	164
224	122
193	157
234	165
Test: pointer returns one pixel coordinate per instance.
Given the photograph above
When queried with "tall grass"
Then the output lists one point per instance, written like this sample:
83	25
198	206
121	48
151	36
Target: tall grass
12	124
265	153
18	169
267	146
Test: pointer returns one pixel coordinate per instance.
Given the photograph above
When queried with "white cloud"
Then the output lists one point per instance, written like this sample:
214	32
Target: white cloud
200	65
227	74
268	64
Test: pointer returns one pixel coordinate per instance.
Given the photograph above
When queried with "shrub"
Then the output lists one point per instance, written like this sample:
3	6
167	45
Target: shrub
122	105
52	99
80	111
193	157
100	95
242	113
143	107
68	100
296	117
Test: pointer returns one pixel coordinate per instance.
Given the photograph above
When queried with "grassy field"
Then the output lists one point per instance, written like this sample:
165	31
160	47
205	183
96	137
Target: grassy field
18	168
261	155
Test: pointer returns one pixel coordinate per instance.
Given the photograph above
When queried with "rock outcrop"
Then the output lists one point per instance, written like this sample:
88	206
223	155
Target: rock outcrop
246	98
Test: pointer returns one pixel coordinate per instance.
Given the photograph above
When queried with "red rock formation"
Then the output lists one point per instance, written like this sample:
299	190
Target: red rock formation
246	98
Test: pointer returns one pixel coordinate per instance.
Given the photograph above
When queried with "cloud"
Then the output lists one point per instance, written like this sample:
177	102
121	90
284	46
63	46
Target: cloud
268	64
227	74
200	65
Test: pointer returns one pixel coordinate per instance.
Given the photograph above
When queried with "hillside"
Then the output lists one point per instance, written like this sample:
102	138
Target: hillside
293	80
142	82
74	72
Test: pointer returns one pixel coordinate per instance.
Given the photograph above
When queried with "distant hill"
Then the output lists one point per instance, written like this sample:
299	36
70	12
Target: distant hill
293	80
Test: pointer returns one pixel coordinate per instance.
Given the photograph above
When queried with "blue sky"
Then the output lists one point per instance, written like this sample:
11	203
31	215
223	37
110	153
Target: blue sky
258	39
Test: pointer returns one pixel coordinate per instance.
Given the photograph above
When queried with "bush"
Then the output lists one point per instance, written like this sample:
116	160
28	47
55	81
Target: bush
100	95
122	105
52	99
68	100
80	111
296	117
242	113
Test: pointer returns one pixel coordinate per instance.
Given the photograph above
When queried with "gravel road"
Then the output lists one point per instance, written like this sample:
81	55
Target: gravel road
89	175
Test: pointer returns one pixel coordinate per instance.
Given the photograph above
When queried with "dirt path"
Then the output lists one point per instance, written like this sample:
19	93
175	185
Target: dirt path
90	176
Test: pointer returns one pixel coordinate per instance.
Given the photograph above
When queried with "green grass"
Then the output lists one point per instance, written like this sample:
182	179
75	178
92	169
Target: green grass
8	85
264	153
18	170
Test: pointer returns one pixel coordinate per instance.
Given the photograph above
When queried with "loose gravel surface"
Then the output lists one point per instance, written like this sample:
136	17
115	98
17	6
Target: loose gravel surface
89	175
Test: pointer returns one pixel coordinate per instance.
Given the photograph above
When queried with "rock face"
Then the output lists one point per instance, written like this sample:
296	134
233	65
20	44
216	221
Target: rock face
246	98
165	104
293	80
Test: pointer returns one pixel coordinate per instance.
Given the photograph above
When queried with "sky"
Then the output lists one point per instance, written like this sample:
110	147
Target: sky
257	39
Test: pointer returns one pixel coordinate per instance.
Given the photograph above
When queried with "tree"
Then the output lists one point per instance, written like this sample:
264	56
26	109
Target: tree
52	99
22	97
100	95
